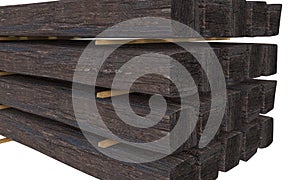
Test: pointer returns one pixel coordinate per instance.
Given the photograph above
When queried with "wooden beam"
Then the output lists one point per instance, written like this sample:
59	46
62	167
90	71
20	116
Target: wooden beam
5	140
153	41
69	146
112	93
34	38
107	143
2	107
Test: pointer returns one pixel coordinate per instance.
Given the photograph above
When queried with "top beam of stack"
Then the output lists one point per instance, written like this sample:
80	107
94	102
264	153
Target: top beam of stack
88	18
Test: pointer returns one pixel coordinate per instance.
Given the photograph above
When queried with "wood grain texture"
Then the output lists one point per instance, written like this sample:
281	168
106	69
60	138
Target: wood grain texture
58	60
256	18
273	19
251	100
207	160
251	140
269	59
53	100
268	93
266	130
69	146
231	150
88	18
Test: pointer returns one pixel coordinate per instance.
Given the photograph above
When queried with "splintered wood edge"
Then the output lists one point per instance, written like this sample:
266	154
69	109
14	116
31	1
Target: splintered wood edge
150	41
2	107
6	73
107	143
5	140
112	93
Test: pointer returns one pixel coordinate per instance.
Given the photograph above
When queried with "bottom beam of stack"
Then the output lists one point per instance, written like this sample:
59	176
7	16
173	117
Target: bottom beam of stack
68	145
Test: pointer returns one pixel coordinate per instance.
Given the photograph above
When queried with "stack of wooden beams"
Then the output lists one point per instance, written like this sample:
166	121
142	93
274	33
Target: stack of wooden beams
39	58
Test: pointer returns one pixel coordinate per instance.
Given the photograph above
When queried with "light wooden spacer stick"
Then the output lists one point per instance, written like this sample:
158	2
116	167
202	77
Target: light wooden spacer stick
107	143
108	94
5	140
5	73
2	107
148	41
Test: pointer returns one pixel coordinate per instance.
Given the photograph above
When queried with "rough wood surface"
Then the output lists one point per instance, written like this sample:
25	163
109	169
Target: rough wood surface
88	18
53	100
273	19
69	146
251	100
207	160
269	59
231	150
266	130
268	93
256	18
48	102
251	140
58	60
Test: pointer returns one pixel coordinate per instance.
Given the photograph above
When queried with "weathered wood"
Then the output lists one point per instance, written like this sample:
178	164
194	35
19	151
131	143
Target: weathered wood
268	93
269	59
251	100
232	58
207	160
58	60
232	118
266	130
250	142
254	61
256	18
53	100
88	18
231	150
232	13
69	146
273	19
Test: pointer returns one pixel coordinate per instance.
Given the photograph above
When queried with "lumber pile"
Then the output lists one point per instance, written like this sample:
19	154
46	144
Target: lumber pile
39	91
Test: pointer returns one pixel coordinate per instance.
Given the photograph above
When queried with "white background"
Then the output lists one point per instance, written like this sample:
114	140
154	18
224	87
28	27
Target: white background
280	161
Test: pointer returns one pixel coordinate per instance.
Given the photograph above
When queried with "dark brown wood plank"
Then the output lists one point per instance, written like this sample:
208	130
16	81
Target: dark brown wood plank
256	18
88	18
231	150
273	19
69	146
266	130
58	60
53	100
233	116
232	13
269	59
251	100
207	160
268	93
250	142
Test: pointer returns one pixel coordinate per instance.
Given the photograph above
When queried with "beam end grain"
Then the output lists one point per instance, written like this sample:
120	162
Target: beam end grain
107	143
